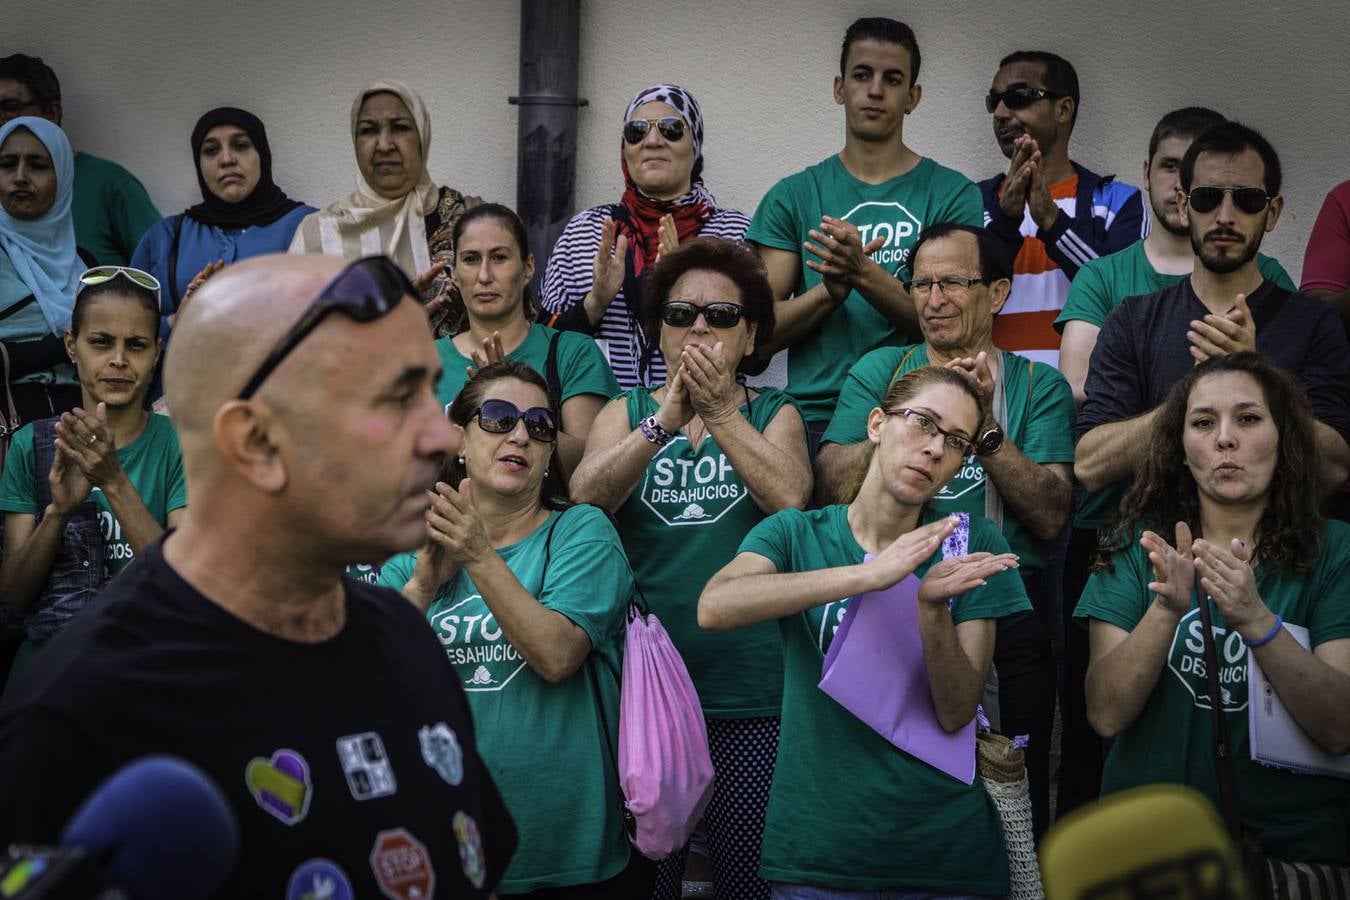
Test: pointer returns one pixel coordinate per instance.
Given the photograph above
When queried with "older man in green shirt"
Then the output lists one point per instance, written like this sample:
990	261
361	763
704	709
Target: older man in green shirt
1020	476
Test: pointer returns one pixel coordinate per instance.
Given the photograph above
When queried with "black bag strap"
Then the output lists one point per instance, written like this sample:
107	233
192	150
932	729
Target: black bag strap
15	307
1223	760
173	260
553	378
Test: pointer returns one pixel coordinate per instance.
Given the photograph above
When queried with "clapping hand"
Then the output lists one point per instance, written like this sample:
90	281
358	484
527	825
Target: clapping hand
1232	332
841	256
710	381
455	525
1227	576
954	576
901	557
1173	569
607	269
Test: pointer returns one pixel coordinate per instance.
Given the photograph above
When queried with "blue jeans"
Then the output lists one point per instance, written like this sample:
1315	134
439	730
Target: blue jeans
782	891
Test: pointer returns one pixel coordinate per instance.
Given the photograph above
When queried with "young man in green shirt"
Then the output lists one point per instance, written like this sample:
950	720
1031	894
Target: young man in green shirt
112	211
1020	476
836	238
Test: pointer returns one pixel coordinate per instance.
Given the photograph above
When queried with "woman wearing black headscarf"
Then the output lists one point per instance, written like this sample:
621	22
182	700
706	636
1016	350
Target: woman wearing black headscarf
243	213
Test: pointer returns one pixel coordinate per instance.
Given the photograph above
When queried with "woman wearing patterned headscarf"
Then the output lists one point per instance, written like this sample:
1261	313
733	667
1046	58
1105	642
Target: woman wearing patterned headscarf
397	209
243	213
594	278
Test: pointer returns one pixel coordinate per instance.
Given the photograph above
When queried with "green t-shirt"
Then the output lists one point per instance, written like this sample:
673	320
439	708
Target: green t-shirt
582	368
1101	286
847	808
681	524
111	209
1296	817
898	210
153	463
1040	423
543	742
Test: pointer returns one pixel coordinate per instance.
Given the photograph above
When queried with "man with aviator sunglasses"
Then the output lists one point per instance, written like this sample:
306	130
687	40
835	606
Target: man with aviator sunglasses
1054	214
304	395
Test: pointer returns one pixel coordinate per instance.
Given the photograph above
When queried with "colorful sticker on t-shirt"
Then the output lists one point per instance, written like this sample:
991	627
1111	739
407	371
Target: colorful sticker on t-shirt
476	646
1186	662
280	784
366	765
684	491
402	866
319	879
441	750
470	848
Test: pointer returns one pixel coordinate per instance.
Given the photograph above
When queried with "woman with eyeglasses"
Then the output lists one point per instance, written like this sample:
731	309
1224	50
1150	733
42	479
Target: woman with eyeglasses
493	317
594	279
880	819
39	267
687	469
528	595
397	208
242	212
83	492
1225	503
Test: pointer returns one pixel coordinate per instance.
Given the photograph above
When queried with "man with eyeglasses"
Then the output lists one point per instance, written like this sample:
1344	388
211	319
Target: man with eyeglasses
1054	214
1018	474
111	209
836	238
304	393
1162	259
1229	199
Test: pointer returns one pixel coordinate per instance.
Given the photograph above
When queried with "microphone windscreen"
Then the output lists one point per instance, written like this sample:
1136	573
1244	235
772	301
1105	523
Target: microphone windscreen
160	828
1161	842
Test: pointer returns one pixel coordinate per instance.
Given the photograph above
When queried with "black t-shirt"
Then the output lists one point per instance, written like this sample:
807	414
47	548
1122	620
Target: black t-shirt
355	754
1142	351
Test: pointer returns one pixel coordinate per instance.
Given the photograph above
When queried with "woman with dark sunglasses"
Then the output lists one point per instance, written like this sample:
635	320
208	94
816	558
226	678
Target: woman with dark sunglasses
82	493
687	469
594	279
492	317
882	823
528	595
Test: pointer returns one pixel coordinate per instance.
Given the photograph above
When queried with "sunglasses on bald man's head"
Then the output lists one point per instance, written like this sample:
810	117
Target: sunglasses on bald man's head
366	290
671	128
501	416
1018	96
1250	200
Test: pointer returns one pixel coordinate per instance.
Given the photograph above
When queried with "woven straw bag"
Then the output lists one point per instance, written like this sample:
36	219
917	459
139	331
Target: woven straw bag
1003	770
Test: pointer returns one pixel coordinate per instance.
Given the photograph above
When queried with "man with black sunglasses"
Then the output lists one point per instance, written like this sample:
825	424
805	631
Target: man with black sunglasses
304	393
1230	198
836	238
1054	214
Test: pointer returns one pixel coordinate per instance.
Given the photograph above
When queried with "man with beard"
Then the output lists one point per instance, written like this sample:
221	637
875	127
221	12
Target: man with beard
1054	214
1159	261
836	238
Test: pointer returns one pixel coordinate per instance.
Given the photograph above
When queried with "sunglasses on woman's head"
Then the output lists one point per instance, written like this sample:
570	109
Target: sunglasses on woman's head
501	416
366	290
671	128
104	274
1250	200
682	313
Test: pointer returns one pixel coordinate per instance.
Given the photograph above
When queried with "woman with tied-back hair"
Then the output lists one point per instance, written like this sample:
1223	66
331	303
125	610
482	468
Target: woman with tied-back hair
528	594
1229	475
851	815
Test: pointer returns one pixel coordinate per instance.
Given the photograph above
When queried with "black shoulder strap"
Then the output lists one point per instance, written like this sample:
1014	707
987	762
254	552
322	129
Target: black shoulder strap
551	375
1223	759
173	259
15	307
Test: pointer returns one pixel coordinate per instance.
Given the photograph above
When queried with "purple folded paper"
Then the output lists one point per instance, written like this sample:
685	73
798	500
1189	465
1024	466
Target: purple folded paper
875	669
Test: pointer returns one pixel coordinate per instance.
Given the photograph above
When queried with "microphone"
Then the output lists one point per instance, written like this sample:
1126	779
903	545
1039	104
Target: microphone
157	829
1159	842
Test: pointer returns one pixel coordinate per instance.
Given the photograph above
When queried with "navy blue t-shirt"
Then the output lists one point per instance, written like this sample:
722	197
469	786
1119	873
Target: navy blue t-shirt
1142	351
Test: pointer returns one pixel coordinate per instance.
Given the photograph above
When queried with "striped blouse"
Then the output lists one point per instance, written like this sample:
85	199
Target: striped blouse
568	279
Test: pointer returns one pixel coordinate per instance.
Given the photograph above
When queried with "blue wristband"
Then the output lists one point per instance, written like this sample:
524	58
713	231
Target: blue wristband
1270	635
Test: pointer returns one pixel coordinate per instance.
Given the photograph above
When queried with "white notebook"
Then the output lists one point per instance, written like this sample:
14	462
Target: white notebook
1275	738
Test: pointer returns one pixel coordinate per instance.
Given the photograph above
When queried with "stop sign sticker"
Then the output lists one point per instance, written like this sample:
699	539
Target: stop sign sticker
401	866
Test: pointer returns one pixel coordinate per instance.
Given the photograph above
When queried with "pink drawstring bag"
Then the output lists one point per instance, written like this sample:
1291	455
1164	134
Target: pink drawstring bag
665	771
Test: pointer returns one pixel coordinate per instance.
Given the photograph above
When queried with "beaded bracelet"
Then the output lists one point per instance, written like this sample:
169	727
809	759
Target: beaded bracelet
1270	635
652	431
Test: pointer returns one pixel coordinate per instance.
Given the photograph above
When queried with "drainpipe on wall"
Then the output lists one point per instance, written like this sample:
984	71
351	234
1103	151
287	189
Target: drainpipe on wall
546	153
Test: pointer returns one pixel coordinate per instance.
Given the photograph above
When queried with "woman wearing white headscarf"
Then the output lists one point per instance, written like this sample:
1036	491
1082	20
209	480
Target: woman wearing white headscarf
39	267
397	209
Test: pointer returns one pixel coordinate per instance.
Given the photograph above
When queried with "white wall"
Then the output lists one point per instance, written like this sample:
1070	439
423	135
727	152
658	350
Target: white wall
136	75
